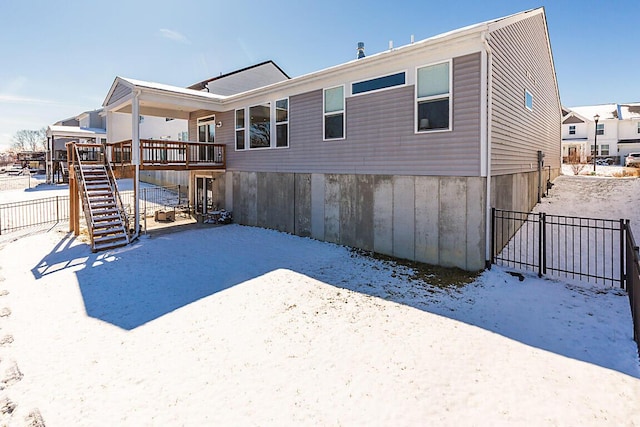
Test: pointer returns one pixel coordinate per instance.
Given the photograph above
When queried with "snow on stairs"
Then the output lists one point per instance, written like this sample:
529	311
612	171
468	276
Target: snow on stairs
108	229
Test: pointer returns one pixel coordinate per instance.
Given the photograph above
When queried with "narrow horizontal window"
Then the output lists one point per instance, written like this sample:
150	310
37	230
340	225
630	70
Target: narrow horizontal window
378	83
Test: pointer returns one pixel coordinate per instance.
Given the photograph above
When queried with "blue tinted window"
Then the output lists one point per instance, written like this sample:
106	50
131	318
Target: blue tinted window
378	83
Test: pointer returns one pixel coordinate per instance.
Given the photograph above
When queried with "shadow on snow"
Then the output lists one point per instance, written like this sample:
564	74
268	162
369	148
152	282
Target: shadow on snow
144	281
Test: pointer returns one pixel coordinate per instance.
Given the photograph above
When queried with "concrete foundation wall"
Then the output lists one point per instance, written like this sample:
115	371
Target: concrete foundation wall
438	220
519	192
165	178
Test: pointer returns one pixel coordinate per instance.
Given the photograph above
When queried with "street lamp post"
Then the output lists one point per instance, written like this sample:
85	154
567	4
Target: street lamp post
595	143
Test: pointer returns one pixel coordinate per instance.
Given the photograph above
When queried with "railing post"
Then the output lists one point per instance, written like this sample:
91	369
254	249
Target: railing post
542	252
57	210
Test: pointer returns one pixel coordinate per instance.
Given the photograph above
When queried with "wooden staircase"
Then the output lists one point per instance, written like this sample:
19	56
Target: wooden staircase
106	219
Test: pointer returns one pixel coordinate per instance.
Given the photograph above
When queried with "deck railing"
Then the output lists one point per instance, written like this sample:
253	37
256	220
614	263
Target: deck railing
176	155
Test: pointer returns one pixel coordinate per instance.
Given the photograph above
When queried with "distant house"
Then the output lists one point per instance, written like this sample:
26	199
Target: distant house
91	126
618	132
403	152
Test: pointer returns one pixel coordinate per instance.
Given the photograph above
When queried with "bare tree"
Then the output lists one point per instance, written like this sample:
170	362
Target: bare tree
30	140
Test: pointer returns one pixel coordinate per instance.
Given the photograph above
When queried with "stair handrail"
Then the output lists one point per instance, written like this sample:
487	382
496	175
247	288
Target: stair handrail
88	213
113	183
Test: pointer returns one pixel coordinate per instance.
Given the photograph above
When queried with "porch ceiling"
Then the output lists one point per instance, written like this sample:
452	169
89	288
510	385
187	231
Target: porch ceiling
158	100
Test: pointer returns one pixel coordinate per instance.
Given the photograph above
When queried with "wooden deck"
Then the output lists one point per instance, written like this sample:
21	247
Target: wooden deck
169	155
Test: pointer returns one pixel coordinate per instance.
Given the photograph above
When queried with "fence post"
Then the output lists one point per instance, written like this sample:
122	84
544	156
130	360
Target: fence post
57	210
623	276
493	237
542	252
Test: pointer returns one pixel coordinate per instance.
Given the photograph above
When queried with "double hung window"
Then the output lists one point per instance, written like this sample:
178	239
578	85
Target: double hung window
334	123
433	97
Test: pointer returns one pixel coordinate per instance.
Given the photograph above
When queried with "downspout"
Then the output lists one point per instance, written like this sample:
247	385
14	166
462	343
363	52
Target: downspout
486	114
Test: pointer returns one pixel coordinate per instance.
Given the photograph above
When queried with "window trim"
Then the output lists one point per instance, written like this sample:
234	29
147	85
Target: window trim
335	113
237	129
572	131
638	127
417	100
598	130
212	119
248	122
526	98
276	123
406	72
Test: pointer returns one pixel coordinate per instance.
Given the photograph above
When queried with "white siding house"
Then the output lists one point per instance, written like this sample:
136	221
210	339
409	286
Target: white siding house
618	131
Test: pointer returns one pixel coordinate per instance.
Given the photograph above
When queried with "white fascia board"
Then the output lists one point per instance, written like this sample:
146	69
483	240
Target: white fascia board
511	19
117	80
390	61
120	103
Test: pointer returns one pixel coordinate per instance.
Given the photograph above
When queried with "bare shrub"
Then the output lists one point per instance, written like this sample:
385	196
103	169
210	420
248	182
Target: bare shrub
627	172
577	167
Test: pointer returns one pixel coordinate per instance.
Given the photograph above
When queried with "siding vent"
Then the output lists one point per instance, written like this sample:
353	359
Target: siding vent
360	50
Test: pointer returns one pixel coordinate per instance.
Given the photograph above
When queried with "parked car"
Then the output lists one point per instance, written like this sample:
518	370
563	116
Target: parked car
632	160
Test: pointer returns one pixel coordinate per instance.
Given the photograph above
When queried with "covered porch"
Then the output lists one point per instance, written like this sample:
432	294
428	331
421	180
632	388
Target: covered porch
130	156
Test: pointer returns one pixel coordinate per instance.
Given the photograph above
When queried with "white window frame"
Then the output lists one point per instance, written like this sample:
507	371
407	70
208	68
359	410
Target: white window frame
528	95
417	100
638	127
602	149
598	130
274	136
247	122
206	119
236	129
406	73
335	113
572	129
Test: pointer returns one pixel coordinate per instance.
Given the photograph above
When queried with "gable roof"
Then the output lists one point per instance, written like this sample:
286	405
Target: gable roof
203	84
122	88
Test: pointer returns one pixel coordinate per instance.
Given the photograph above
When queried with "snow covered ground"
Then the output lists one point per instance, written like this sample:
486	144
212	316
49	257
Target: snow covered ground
237	325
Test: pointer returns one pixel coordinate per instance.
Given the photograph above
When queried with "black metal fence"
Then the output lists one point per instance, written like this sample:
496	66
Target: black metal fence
20	215
50	210
593	250
586	249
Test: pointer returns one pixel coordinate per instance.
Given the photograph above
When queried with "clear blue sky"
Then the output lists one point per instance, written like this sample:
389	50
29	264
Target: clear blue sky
59	58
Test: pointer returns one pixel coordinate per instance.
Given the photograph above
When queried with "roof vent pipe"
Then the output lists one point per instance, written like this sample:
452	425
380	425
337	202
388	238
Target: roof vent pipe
360	50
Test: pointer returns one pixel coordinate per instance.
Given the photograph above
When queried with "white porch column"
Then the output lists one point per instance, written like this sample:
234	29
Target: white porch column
135	157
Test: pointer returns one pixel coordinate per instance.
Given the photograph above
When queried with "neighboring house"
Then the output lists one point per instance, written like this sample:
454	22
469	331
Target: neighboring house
618	132
403	152
91	126
88	126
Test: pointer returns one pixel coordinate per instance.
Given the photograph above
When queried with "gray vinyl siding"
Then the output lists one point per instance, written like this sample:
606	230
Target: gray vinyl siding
380	137
119	92
572	119
521	61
